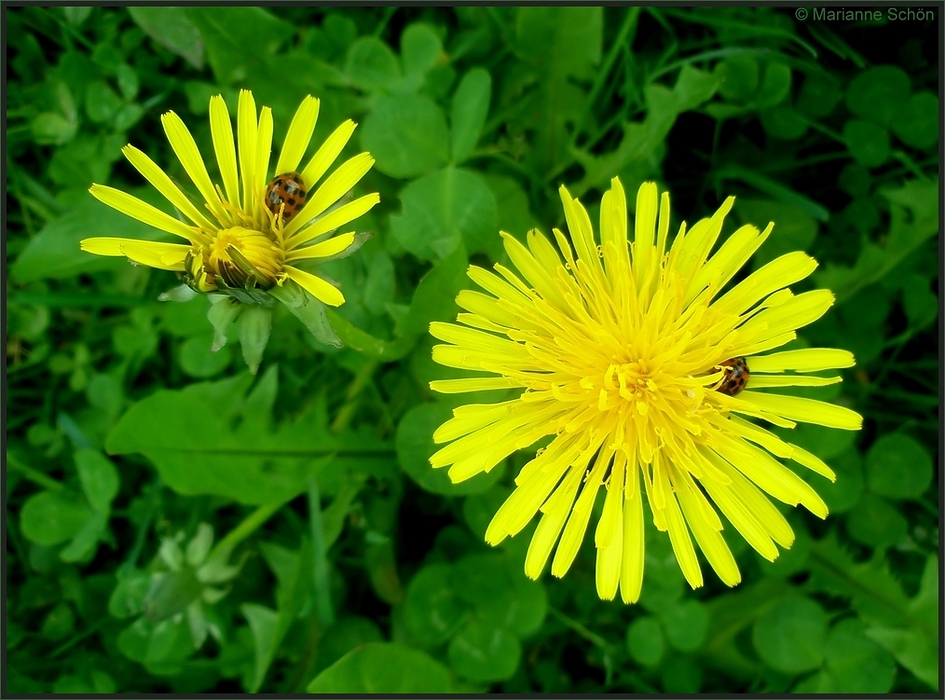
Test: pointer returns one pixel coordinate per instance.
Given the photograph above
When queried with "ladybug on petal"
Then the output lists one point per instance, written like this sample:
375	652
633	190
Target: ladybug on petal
736	376
287	193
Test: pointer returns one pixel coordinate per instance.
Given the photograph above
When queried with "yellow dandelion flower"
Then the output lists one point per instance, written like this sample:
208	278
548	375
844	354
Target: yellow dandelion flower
246	242
634	359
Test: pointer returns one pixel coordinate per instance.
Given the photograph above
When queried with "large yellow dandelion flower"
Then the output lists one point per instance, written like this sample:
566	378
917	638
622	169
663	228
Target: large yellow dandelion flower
634	357
246	242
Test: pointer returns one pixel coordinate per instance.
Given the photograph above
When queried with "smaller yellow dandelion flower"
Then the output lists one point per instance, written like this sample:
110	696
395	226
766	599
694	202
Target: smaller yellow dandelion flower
644	371
246	243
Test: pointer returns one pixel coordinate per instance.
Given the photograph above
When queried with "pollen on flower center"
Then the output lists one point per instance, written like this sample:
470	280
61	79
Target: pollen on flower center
238	256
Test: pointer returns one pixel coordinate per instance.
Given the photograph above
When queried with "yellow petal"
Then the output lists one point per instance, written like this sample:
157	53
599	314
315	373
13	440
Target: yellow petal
631	572
263	151
556	510
189	155
163	184
327	153
539	278
796	312
339	217
644	230
246	140
331	190
580	515
778	273
807	360
163	256
142	211
766	381
222	132
299	135
461	386
325	249
320	289
805	410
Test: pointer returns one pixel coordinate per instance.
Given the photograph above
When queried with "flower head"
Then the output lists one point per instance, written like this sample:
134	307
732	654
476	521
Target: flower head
248	239
635	357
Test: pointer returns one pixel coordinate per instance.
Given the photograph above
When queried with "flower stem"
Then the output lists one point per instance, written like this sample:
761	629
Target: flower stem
252	523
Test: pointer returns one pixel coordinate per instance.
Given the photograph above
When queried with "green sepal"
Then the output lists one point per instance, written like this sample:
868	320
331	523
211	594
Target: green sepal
221	314
180	293
309	310
255	326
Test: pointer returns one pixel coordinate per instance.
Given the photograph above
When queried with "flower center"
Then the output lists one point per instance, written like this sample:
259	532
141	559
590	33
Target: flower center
239	257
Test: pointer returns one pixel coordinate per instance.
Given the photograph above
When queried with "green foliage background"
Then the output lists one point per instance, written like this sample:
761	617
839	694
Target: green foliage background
174	524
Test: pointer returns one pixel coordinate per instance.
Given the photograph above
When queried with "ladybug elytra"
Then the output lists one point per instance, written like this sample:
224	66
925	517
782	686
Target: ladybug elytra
736	376
286	192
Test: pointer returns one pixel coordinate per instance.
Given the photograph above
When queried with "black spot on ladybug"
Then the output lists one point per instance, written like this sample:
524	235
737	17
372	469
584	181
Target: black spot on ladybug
736	376
287	193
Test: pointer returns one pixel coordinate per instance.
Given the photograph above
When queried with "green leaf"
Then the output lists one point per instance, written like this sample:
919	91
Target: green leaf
738	77
433	610
343	636
686	624
206	435
52	129
559	44
415	446
101	102
913	220
874	522
383	668
434	298
853	663
875	594
198	361
841	495
783	122
170	27
911	649
868	143
407	135
819	95
262	621
470	109
293	572
775	85
694	87
681	675
51	517
878	93
499	592
916	123
84	542
794	229
791	636
54	252
98	476
443	210
918	301
484	653
371	65
354	338
641	141
228	31
898	467
645	641
420	48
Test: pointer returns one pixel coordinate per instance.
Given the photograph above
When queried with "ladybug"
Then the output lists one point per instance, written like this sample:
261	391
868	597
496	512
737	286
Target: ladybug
736	376
287	189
